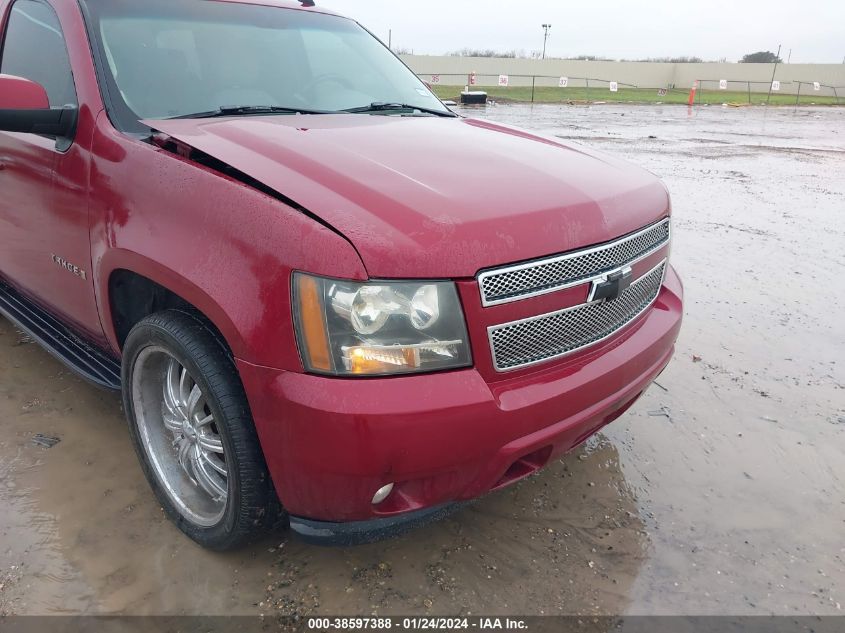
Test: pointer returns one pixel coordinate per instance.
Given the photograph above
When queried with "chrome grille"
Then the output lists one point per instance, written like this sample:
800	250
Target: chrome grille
541	338
547	275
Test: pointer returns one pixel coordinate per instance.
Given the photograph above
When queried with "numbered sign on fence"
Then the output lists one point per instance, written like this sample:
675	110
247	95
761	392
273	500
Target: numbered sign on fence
614	86
817	86
723	84
504	80
775	85
564	82
435	79
662	92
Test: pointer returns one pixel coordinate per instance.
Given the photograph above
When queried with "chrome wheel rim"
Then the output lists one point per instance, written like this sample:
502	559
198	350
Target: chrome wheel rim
180	436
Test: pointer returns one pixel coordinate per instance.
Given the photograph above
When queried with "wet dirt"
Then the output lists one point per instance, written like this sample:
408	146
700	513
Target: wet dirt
721	492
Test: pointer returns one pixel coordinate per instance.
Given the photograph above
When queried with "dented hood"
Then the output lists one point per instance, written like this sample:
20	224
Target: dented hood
434	197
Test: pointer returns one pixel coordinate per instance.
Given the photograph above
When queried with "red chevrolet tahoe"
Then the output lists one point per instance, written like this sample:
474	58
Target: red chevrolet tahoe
328	300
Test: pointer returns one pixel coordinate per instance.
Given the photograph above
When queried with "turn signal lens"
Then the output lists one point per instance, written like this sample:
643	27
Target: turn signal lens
374	359
312	324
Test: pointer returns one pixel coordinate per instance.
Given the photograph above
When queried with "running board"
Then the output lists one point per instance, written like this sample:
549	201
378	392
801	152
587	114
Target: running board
89	362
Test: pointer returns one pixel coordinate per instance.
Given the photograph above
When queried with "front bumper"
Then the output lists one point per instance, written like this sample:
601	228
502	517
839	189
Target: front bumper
344	534
442	438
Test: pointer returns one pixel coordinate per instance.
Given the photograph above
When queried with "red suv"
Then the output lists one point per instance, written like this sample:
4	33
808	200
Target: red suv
328	300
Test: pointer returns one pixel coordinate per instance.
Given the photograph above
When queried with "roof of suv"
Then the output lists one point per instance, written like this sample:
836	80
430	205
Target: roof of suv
285	4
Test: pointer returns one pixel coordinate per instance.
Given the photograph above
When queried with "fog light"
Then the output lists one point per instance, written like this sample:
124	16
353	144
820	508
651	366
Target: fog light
382	494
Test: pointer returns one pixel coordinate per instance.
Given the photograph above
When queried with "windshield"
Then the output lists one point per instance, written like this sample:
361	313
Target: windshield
170	58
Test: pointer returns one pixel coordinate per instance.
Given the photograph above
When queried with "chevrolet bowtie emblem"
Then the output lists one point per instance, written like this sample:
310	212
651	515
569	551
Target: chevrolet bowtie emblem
612	285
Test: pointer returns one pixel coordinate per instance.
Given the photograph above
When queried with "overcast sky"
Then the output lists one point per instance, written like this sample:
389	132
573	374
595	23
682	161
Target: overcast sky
632	29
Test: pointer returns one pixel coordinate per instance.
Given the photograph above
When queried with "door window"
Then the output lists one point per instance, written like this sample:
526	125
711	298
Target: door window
34	48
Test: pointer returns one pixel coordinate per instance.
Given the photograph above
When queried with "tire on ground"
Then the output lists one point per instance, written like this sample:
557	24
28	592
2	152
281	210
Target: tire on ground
252	506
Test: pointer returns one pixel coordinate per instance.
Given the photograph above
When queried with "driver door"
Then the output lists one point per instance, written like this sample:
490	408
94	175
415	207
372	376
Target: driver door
44	233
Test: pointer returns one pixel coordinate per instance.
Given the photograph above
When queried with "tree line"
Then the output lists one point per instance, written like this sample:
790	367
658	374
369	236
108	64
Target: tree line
760	57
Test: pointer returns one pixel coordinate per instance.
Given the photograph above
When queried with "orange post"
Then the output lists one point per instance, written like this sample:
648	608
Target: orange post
692	92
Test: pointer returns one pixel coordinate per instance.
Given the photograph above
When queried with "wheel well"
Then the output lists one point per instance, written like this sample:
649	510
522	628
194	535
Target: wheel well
133	297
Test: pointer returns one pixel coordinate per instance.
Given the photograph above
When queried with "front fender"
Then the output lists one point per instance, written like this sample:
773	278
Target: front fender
224	247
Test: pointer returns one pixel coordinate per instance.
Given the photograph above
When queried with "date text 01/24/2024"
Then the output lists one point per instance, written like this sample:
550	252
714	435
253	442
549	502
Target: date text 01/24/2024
416	624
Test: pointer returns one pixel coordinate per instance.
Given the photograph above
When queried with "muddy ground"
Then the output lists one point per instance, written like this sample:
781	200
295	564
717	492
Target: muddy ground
721	491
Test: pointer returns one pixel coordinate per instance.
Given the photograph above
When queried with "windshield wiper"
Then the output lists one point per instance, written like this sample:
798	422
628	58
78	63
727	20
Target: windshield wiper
223	111
387	107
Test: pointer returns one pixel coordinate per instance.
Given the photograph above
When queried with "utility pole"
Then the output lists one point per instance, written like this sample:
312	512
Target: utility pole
789	57
390	39
546	29
777	58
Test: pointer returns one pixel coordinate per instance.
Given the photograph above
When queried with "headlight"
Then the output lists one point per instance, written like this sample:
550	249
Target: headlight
378	328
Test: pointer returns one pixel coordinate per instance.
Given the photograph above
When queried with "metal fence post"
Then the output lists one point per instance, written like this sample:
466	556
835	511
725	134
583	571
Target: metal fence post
588	89
533	83
748	83
798	97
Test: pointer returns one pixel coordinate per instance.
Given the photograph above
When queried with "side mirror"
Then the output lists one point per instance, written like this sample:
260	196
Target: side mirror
24	107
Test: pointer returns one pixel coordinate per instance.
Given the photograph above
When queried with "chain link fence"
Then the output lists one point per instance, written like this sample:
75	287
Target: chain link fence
555	89
803	91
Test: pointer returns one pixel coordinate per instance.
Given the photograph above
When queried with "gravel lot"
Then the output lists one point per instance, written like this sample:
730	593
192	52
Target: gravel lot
721	492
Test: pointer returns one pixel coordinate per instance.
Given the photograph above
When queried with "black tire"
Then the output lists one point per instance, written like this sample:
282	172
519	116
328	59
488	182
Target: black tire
252	506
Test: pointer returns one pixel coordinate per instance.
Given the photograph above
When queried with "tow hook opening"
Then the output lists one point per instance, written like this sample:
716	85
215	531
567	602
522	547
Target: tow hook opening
524	466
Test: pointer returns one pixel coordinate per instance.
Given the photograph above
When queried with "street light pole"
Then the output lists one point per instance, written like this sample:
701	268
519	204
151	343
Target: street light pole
546	28
777	59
